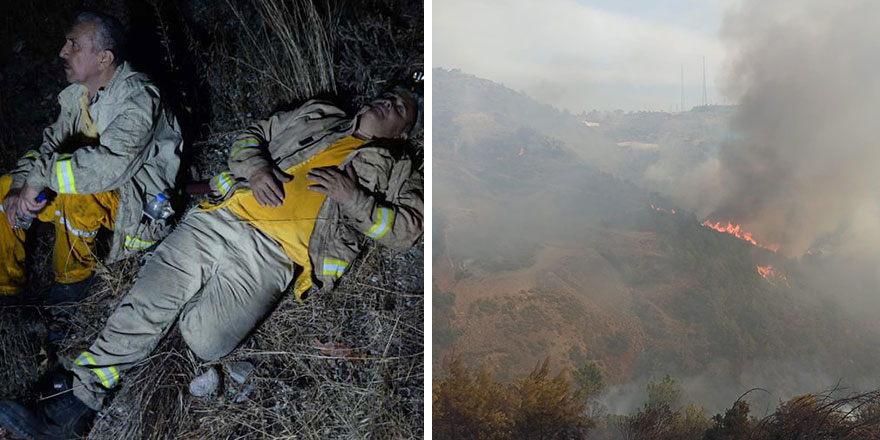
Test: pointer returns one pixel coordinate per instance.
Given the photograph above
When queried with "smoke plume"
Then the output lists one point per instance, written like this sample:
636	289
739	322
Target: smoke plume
802	164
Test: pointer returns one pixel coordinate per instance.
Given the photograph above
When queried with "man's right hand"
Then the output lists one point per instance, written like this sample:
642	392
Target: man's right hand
10	205
268	186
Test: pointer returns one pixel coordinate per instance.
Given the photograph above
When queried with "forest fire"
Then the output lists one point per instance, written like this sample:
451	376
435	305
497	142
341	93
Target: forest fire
737	231
770	274
659	209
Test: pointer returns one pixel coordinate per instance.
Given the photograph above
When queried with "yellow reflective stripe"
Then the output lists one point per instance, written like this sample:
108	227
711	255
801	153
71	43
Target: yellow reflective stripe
334	267
223	182
101	375
242	144
85	359
31	154
383	223
136	243
108	376
64	171
72	230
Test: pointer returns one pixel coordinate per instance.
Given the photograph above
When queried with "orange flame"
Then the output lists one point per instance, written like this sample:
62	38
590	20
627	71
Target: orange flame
659	209
521	151
770	274
738	232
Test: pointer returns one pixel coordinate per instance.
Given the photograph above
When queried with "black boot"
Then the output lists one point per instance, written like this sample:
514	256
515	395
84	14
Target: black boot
69	293
61	417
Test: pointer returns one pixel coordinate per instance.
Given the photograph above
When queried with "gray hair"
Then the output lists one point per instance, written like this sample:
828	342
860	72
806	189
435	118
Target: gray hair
414	98
109	33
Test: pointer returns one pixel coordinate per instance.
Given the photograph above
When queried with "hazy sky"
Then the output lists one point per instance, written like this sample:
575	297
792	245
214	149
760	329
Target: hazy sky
587	54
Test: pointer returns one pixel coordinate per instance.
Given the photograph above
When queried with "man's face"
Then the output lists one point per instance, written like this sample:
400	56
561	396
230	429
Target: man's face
82	64
388	117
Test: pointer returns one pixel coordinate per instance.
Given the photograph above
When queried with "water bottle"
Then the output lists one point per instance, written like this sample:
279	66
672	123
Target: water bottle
24	220
157	209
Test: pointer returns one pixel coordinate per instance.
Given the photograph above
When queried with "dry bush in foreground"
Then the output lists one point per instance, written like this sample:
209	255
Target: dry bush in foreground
824	416
469	404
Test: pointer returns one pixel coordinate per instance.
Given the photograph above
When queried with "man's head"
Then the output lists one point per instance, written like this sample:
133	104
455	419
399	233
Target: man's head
93	50
390	116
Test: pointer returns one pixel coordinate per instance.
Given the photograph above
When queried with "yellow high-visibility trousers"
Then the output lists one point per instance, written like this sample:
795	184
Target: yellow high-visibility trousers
77	219
11	249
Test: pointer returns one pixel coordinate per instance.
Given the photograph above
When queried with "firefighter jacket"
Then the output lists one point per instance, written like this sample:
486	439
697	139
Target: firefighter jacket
137	153
388	209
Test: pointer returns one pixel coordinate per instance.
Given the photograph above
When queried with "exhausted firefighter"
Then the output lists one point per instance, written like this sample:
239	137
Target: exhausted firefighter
304	193
112	150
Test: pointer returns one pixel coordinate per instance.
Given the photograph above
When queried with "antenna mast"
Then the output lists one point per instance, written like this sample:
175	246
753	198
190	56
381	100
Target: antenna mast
682	89
705	97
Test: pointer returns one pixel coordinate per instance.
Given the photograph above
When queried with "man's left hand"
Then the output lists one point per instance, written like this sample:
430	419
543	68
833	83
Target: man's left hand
28	202
337	184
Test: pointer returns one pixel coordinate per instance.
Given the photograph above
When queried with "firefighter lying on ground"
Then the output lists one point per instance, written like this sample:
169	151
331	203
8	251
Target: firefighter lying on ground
112	149
305	191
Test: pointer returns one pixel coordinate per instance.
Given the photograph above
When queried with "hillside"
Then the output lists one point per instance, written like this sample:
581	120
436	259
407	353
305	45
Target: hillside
551	239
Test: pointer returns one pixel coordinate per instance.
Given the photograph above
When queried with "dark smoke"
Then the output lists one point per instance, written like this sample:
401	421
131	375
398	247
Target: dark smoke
801	170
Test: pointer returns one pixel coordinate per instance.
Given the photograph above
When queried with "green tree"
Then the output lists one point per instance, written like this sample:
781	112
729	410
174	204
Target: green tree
590	379
591	382
733	425
666	392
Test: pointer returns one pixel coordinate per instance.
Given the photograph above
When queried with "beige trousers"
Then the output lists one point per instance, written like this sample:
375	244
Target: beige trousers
215	274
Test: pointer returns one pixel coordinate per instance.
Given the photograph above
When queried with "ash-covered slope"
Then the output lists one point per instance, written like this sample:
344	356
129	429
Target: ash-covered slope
537	252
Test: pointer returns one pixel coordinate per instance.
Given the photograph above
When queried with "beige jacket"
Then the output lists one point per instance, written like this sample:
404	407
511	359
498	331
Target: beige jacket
389	209
137	154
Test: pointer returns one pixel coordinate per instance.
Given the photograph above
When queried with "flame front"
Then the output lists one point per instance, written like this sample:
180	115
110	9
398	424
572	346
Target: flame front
738	232
659	209
770	274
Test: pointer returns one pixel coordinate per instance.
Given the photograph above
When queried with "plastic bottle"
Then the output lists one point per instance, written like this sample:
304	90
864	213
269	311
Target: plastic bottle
157	209
25	221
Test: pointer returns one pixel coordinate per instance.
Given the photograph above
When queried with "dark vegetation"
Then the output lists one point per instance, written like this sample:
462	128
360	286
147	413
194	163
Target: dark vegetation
347	365
471	404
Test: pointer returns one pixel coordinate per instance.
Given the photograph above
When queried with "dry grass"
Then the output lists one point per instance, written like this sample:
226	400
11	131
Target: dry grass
824	416
292	48
282	53
21	334
345	365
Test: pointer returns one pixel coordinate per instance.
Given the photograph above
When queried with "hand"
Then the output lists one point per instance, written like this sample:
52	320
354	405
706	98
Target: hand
28	202
10	205
268	186
334	183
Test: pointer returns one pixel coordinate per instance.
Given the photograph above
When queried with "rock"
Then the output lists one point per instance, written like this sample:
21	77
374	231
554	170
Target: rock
239	371
205	384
